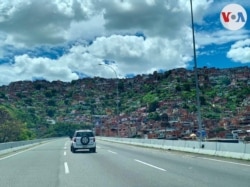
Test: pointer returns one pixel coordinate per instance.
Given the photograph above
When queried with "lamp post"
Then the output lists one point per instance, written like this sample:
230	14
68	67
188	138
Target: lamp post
117	94
196	75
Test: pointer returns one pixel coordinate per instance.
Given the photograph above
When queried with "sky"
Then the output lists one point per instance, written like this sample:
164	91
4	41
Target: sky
68	39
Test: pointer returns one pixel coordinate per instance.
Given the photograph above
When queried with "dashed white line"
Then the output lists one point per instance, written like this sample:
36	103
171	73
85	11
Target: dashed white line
66	167
150	165
188	156
64	153
112	152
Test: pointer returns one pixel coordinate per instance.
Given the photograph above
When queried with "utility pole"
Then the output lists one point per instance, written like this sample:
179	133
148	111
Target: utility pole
117	95
196	77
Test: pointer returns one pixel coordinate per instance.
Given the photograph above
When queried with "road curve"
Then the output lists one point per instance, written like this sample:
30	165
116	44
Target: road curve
117	165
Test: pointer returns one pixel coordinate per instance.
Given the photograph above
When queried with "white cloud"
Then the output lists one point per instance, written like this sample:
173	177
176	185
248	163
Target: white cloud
102	29
33	22
87	29
240	51
135	55
27	68
155	18
219	37
131	54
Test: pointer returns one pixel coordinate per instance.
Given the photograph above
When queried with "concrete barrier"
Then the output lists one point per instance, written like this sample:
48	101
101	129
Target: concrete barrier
9	147
231	150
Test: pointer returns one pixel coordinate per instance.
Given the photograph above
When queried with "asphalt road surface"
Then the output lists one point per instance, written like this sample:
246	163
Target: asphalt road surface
117	165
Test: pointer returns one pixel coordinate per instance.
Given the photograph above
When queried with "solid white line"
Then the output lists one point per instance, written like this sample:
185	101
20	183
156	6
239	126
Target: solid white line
235	163
150	165
66	167
112	152
19	152
216	160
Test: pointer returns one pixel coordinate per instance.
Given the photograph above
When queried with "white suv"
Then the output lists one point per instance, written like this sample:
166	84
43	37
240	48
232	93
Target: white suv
83	139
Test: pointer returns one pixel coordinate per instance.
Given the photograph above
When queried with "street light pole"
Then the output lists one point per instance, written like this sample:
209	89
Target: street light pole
117	94
196	75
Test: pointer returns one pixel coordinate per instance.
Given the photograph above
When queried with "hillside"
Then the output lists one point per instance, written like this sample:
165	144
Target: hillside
143	100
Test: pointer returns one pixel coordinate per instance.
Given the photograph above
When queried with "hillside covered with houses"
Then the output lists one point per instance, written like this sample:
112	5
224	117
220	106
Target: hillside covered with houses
158	105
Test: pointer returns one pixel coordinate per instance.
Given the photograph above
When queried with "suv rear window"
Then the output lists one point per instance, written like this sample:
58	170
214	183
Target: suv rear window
80	134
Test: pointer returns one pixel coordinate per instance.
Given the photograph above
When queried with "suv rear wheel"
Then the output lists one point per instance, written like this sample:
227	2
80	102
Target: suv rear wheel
73	150
93	150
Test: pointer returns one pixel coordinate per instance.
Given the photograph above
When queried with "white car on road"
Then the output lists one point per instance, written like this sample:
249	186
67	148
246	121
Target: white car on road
83	139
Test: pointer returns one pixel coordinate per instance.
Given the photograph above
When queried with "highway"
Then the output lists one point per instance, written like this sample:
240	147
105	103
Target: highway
117	165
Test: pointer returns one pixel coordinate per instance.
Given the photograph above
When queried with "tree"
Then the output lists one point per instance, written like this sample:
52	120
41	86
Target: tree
153	106
202	100
178	88
13	130
2	95
187	87
52	102
164	117
51	112
164	120
154	116
121	87
167	73
28	101
226	81
37	86
149	98
165	124
50	93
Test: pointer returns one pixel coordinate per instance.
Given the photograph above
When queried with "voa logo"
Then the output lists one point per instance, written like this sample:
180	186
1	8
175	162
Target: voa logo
233	17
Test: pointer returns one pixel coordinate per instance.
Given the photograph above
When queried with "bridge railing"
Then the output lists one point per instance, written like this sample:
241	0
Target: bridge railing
239	150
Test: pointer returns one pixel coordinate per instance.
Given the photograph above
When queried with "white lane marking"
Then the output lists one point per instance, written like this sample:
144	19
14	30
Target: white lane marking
66	167
15	154
65	147
224	161
112	152
147	164
188	156
23	151
64	153
216	160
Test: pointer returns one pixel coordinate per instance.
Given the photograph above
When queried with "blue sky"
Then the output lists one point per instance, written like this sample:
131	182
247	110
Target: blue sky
215	55
67	39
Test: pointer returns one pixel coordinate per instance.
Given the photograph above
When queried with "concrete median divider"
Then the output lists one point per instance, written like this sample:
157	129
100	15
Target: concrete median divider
230	150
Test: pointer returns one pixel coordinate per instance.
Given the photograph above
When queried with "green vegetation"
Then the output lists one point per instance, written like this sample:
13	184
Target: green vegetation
12	128
28	109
